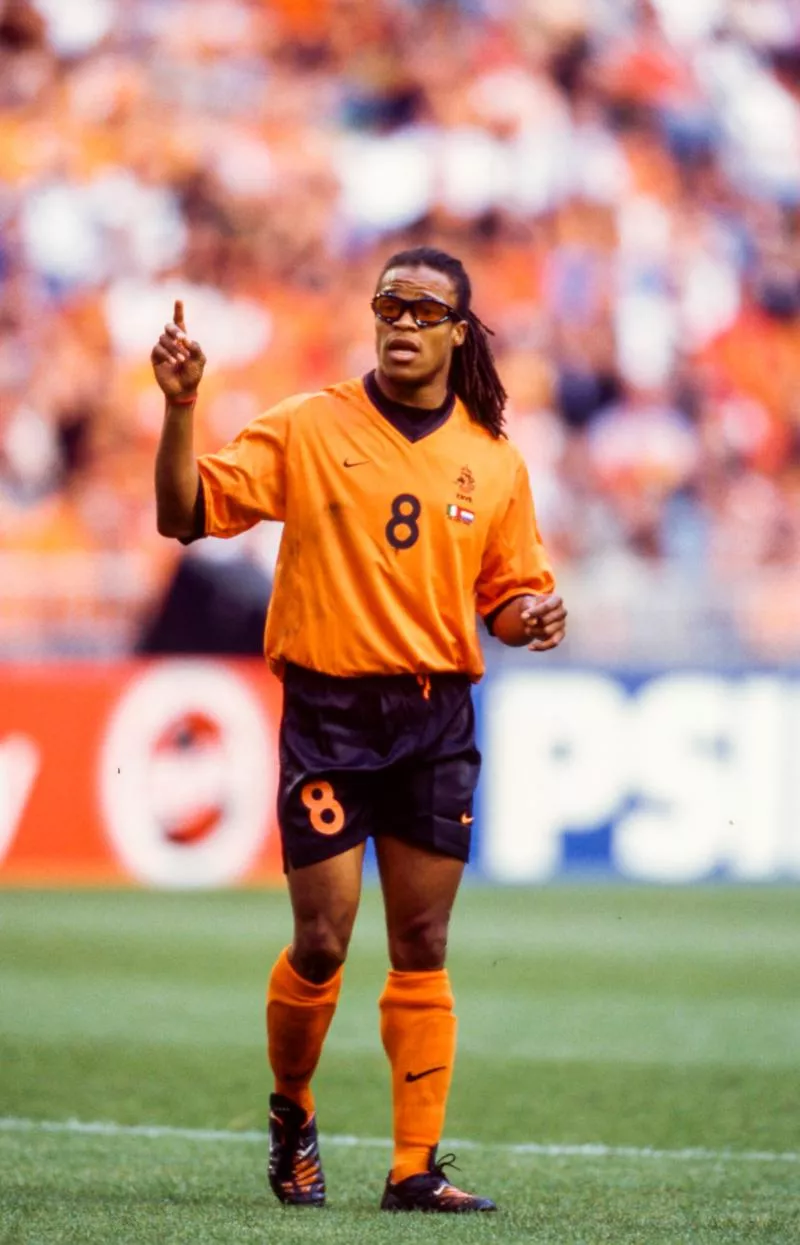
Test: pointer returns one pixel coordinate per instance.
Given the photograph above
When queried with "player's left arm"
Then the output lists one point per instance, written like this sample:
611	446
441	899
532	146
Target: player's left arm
516	589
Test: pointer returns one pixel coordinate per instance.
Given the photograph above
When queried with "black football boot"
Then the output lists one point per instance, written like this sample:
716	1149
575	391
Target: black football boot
295	1167
432	1191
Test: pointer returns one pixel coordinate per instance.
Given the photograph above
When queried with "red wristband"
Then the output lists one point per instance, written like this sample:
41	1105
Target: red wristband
183	401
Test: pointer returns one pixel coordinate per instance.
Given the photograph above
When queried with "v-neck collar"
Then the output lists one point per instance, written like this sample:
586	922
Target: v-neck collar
412	422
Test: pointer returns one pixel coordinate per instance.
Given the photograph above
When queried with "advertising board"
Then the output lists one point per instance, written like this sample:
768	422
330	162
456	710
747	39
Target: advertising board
164	774
161	774
670	777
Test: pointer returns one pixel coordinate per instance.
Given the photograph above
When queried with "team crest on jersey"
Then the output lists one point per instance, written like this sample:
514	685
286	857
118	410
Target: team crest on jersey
465	480
460	514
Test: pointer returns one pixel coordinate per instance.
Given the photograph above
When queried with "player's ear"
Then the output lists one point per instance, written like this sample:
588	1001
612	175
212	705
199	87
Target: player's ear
459	333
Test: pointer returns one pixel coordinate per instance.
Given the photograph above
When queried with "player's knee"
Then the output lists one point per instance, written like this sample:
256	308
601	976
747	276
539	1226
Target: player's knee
320	948
419	945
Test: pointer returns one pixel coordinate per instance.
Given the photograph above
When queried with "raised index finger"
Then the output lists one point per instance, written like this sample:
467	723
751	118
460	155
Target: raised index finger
177	315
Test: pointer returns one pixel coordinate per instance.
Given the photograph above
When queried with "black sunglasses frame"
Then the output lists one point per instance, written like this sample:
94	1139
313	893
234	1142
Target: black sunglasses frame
408	304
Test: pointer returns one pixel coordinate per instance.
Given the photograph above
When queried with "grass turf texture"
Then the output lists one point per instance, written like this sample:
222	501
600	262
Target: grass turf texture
667	1019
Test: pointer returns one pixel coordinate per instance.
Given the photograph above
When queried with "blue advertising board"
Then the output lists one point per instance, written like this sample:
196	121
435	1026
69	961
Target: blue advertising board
672	777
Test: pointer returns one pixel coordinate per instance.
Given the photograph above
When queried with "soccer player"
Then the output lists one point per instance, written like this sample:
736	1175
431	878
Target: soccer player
406	511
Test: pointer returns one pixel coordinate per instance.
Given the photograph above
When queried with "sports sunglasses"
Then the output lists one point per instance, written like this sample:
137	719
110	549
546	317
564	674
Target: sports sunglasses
425	312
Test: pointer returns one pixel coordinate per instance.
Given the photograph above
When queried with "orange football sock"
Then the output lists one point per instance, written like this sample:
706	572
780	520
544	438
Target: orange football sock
418	1029
299	1013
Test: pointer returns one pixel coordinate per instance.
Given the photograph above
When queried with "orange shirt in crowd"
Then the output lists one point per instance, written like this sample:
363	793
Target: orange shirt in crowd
760	355
390	544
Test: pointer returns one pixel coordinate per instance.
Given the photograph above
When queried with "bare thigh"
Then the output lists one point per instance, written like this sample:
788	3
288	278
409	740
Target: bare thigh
325	899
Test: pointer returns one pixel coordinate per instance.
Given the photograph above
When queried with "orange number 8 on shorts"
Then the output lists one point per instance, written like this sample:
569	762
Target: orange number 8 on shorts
324	811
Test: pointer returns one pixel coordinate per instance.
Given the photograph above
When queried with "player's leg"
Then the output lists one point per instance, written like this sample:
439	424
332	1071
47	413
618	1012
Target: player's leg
306	979
418	1026
301	1000
324	819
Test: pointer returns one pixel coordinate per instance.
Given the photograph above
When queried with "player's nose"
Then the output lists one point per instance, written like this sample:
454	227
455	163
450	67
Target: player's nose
406	320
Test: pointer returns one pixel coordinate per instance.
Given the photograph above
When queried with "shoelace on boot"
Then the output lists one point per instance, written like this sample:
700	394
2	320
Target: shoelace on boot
447	1160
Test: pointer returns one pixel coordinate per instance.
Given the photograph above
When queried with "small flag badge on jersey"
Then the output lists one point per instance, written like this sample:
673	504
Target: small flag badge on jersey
460	514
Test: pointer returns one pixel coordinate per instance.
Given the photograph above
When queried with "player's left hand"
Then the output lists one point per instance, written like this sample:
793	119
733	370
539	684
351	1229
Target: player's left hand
545	621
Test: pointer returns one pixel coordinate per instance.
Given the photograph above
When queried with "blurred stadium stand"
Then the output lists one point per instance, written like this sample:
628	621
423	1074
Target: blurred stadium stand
622	179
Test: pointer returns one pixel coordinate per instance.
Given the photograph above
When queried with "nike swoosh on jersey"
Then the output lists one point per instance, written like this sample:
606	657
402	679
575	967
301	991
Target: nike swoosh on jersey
360	462
466	820
417	1076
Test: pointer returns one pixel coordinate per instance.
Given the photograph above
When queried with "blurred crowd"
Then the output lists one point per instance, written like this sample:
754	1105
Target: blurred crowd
620	177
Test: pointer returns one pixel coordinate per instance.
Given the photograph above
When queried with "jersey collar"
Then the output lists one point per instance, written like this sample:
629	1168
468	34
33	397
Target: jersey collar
410	421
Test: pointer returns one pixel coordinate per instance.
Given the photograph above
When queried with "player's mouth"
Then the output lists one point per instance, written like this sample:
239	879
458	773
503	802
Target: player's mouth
402	349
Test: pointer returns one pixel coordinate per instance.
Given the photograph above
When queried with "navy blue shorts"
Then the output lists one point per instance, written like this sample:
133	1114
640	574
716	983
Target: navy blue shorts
381	754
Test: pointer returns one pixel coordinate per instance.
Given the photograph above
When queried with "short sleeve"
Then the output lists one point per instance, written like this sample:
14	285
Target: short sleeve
246	481
514	560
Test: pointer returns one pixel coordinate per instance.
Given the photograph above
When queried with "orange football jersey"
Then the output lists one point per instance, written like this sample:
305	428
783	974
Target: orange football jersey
389	545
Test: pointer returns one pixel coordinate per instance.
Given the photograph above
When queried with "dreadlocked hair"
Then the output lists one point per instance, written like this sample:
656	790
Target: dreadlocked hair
473	373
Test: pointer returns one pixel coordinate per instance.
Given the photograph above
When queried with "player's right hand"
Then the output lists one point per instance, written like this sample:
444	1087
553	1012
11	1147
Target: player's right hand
177	362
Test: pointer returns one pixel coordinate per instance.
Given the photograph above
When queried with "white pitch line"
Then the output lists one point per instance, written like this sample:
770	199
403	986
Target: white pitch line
10	1124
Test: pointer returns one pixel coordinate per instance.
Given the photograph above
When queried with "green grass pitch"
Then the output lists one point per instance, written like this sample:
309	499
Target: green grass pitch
663	1025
